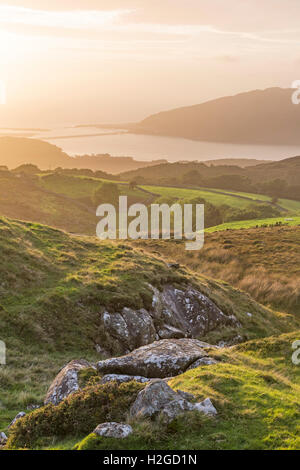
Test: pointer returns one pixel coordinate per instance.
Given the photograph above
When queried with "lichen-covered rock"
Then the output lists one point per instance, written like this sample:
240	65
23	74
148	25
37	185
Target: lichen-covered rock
158	398
66	382
154	398
161	359
116	430
188	311
175	313
122	378
175	408
129	328
19	416
168	332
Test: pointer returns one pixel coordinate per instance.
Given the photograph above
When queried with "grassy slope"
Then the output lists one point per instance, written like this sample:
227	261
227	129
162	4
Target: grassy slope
82	187
219	197
63	202
66	201
185	193
23	199
255	388
261	261
291	222
53	286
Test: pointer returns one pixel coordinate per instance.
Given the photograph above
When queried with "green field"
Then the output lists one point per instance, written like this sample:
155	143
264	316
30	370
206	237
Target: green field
221	197
253	223
78	187
185	193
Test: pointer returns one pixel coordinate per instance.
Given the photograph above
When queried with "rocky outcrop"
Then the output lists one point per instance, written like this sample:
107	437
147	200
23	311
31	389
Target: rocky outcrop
116	430
122	378
161	359
66	382
158	398
19	416
175	313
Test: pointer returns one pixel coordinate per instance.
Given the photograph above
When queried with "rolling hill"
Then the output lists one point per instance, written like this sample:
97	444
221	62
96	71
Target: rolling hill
255	117
253	179
15	151
53	287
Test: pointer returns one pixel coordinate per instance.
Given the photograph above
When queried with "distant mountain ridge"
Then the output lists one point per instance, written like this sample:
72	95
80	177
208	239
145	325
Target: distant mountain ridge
241	162
16	151
256	117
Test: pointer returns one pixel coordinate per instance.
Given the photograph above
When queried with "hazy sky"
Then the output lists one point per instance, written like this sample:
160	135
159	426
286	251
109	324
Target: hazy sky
84	61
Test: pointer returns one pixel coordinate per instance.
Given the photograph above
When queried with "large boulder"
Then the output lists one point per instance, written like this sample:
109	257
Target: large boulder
158	398
175	313
188	311
161	359
130	328
66	382
116	430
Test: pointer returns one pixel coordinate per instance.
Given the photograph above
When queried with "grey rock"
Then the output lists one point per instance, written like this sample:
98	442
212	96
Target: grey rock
116	430
168	332
189	311
206	407
161	359
175	408
204	361
122	378
153	399
33	407
19	416
129	328
3	438
175	313
158	398
66	382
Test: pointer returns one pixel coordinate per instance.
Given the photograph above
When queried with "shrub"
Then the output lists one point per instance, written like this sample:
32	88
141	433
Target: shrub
78	414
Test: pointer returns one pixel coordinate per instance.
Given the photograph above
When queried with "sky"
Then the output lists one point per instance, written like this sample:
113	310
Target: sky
109	61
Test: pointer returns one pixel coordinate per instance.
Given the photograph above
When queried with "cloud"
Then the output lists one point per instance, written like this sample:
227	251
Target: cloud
77	19
118	22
